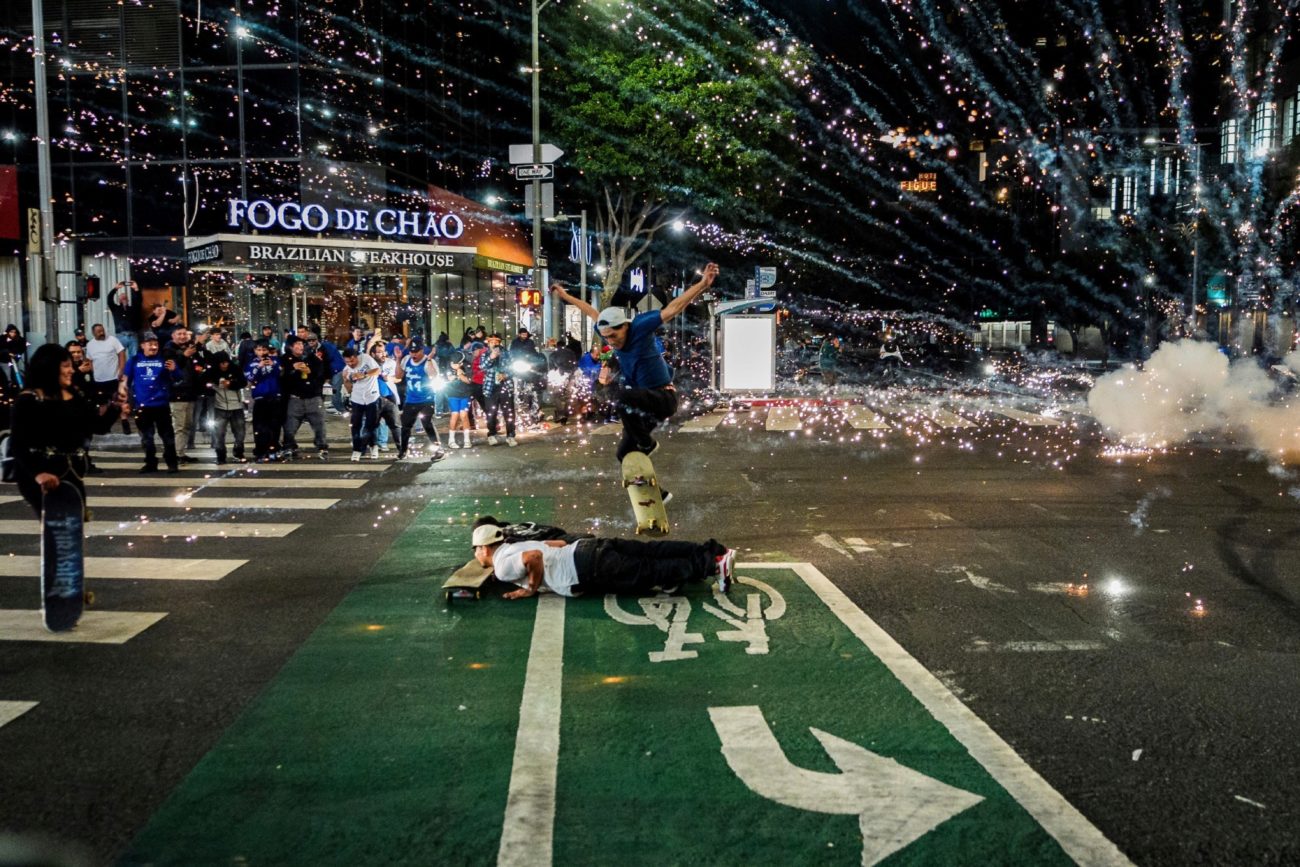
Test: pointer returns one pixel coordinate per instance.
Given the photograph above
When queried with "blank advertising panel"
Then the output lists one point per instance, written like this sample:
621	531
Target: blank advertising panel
748	353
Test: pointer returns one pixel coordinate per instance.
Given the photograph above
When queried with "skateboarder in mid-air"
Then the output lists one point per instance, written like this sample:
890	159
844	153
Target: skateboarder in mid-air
647	396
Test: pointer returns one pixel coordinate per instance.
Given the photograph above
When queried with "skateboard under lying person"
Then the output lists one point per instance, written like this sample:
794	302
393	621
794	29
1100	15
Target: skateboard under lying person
647	497
467	581
63	565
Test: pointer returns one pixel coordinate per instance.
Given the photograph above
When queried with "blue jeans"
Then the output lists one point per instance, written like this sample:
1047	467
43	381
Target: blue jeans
129	343
339	401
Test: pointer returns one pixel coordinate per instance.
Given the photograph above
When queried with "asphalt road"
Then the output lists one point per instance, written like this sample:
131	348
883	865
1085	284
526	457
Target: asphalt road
1130	624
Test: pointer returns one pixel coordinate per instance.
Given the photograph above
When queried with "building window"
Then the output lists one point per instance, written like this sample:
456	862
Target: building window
1230	142
1265	128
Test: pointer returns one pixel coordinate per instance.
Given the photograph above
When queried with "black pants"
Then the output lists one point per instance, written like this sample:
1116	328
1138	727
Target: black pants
365	419
389	415
630	566
234	420
157	418
268	420
410	414
35	497
501	407
641	410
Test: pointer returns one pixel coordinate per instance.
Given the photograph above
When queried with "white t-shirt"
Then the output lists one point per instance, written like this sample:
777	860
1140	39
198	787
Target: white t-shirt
364	391
103	354
559	573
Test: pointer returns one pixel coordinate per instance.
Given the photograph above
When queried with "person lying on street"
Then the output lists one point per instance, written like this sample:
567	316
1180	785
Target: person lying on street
591	567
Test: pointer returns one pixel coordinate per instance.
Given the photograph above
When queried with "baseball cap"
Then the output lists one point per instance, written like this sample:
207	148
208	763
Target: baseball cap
611	317
416	343
488	534
147	336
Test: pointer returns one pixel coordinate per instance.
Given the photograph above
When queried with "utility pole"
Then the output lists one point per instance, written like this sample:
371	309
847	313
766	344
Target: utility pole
48	278
539	273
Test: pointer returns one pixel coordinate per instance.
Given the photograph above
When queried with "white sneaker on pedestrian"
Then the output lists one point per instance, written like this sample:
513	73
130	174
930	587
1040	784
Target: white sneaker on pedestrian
356	456
453	444
437	455
374	453
492	439
512	442
384	447
726	569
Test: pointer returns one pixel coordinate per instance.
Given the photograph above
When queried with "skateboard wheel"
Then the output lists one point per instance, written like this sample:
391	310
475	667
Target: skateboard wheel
89	597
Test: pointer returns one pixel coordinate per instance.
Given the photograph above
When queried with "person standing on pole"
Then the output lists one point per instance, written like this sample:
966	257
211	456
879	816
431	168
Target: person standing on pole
647	396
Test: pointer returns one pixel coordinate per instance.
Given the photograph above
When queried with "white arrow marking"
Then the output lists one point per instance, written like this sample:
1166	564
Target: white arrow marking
895	805
826	540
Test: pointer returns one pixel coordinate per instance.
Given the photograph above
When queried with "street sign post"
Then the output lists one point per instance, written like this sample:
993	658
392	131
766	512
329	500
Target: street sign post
535	172
548	200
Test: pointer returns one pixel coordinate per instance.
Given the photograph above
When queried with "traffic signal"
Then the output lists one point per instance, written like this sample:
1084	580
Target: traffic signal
92	288
528	297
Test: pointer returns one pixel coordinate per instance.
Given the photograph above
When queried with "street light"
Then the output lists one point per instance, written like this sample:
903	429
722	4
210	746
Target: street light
582	262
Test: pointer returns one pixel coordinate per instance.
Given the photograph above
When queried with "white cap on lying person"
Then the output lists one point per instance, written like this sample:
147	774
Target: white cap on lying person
488	534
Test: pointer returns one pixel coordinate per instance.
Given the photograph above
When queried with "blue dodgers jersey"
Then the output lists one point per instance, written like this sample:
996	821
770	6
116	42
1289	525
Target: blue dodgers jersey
641	358
264	381
150	382
420	384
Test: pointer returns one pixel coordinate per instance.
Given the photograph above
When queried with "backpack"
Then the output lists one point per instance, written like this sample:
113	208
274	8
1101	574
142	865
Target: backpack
529	531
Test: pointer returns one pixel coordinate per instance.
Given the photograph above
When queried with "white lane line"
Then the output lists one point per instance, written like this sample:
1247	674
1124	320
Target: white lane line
11	710
256	469
232	530
1029	418
169	481
527	834
182	501
607	430
1060	646
96	627
783	418
703	423
1058	817
864	418
826	540
132	568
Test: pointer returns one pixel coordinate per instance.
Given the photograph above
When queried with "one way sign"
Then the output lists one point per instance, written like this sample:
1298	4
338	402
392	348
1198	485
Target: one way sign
535	172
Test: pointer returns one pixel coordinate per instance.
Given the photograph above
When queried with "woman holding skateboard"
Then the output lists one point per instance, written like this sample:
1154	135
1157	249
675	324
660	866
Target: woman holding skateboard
52	421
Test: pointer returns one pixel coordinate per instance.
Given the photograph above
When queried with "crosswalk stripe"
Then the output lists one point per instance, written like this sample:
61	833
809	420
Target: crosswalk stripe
4	501
256	469
783	418
607	430
11	710
864	418
96	627
186	529
1029	418
703	423
938	416
131	568
183	501
168	481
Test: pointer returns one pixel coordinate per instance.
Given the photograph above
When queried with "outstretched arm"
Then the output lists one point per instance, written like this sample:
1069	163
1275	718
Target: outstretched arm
586	308
681	302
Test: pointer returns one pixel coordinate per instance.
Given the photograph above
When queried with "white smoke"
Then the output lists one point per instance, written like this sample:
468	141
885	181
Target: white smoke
1189	389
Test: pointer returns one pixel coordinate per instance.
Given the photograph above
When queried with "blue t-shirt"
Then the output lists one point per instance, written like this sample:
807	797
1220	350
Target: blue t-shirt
419	381
149	380
641	358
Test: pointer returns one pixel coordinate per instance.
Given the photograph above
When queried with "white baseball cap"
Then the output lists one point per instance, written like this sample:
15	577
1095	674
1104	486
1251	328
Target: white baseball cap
488	534
611	317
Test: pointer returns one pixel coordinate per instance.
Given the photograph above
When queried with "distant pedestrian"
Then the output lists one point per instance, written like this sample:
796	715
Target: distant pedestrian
147	383
126	306
361	381
499	392
263	376
13	347
828	361
225	383
418	374
302	380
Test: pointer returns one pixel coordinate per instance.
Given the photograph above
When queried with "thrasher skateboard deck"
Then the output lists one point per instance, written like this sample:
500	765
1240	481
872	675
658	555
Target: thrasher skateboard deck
643	489
63	568
467	581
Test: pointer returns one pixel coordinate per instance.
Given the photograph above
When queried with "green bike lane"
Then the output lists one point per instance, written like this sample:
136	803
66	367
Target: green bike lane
777	725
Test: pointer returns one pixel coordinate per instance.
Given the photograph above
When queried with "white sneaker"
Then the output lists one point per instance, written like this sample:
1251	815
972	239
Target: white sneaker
356	456
453	444
384	447
492	439
512	442
374	453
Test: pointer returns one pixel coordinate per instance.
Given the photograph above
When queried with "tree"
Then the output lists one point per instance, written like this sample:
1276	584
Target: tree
687	111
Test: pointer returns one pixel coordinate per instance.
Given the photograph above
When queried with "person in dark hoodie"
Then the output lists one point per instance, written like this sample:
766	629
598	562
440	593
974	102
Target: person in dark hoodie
185	363
13	346
223	381
52	421
263	377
